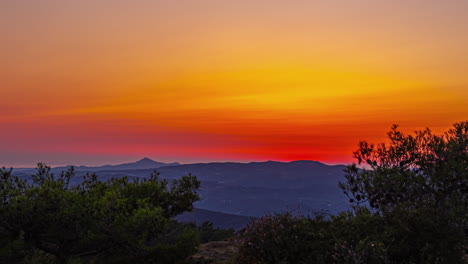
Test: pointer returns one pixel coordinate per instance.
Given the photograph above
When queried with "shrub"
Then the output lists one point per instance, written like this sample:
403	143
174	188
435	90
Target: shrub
419	185
110	221
285	238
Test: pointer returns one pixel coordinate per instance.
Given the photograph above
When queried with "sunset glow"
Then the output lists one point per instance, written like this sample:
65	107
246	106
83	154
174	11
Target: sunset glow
94	82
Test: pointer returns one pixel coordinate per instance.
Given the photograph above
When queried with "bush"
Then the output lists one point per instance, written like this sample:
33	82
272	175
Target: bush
359	236
285	238
419	185
113	221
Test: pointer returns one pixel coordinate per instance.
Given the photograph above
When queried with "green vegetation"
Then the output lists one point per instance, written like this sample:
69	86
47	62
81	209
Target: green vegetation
116	221
419	186
410	206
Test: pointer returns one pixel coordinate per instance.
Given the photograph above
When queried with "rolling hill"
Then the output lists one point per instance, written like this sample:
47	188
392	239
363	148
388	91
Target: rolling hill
245	189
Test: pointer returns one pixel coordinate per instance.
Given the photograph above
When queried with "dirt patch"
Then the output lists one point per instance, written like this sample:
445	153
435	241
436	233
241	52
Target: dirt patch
217	252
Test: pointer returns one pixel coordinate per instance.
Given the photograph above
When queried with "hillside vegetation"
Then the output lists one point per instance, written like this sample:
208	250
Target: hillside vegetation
114	221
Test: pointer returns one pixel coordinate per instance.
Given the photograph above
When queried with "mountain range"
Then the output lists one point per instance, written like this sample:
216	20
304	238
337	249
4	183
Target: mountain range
144	163
244	189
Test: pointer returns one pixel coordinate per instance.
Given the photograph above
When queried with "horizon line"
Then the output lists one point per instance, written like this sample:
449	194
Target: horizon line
179	163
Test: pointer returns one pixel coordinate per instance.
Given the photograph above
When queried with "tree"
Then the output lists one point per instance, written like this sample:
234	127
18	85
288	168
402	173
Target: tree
409	206
113	221
419	184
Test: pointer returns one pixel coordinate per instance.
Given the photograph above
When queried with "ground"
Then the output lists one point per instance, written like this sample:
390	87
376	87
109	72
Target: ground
217	252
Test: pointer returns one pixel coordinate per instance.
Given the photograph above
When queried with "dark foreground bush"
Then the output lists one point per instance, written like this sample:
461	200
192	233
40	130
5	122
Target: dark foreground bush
288	238
285	238
358	236
116	221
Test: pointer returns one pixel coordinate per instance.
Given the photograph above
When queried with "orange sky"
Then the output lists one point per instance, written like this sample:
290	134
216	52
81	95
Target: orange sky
101	81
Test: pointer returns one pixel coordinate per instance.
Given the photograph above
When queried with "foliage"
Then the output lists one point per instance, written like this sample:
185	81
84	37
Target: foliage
424	170
359	237
349	237
410	206
285	238
419	185
113	221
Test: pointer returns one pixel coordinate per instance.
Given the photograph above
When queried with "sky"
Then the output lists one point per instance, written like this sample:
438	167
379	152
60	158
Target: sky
107	81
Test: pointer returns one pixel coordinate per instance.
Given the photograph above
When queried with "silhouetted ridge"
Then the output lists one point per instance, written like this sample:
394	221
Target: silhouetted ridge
144	163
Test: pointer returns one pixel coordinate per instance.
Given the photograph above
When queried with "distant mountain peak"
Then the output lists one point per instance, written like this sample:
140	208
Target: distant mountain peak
144	163
145	160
